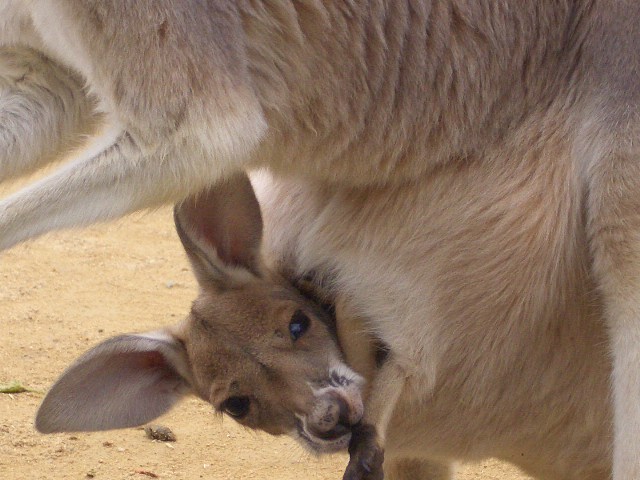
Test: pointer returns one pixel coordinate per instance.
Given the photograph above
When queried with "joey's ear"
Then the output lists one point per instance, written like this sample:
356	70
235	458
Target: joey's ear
125	381
221	231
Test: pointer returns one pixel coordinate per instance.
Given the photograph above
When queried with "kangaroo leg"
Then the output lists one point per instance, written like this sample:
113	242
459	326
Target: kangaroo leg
367	444
44	113
385	381
183	105
119	179
358	345
614	235
413	469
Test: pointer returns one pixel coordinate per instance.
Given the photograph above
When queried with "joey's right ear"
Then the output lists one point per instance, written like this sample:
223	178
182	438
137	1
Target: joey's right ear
125	381
221	230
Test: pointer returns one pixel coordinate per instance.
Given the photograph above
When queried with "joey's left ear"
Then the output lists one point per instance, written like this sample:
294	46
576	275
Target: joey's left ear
125	381
221	230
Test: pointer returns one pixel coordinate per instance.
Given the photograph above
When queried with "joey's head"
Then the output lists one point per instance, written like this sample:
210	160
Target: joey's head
252	345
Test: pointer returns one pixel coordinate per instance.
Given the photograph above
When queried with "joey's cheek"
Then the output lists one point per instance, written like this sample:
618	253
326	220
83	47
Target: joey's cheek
278	423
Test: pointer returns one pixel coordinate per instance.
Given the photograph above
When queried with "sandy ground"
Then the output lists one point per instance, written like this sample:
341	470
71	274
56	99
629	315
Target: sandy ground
67	291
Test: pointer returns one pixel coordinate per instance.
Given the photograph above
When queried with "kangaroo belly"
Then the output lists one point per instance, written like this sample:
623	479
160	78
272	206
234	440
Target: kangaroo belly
478	280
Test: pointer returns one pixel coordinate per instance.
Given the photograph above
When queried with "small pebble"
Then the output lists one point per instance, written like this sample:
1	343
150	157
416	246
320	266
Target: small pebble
147	473
158	432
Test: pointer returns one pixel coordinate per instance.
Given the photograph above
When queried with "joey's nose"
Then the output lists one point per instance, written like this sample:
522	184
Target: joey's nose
344	425
332	417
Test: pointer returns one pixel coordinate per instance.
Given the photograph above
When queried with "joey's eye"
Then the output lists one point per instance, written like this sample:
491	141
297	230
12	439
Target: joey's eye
299	324
236	407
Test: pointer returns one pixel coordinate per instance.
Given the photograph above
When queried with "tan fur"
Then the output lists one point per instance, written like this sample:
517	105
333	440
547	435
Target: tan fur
236	345
464	173
491	312
355	341
233	350
30	83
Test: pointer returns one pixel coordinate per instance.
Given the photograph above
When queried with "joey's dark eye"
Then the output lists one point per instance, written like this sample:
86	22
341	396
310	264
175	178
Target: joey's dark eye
236	407
299	324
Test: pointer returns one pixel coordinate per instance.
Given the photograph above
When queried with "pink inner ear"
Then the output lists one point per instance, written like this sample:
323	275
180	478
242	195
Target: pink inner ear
221	227
231	224
123	382
151	360
236	254
236	243
228	248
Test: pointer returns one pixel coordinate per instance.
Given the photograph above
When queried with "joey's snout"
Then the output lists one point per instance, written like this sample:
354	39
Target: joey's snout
337	407
333	416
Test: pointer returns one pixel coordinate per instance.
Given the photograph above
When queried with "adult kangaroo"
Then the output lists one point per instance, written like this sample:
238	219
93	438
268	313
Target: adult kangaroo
257	349
524	115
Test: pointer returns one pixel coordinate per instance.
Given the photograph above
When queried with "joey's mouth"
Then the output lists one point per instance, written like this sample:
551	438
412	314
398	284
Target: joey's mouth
328	442
337	406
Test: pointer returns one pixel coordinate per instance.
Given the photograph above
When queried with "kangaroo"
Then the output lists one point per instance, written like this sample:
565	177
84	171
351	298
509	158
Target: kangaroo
368	102
261	352
252	346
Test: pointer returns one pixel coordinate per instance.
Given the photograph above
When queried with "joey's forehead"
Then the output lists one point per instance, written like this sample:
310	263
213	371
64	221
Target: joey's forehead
246	327
253	302
222	354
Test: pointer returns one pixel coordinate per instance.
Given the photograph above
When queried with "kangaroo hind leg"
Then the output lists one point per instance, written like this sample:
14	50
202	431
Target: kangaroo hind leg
44	112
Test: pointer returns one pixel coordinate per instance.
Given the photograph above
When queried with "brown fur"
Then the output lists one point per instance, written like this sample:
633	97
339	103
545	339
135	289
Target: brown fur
464	173
236	346
508	320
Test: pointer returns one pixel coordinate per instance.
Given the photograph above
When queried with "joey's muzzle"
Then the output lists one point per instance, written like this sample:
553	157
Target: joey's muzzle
336	408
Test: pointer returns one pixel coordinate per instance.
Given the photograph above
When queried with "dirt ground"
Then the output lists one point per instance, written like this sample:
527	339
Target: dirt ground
67	291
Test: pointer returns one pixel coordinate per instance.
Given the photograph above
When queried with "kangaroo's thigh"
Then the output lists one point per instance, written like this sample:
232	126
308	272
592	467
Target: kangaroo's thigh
44	111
